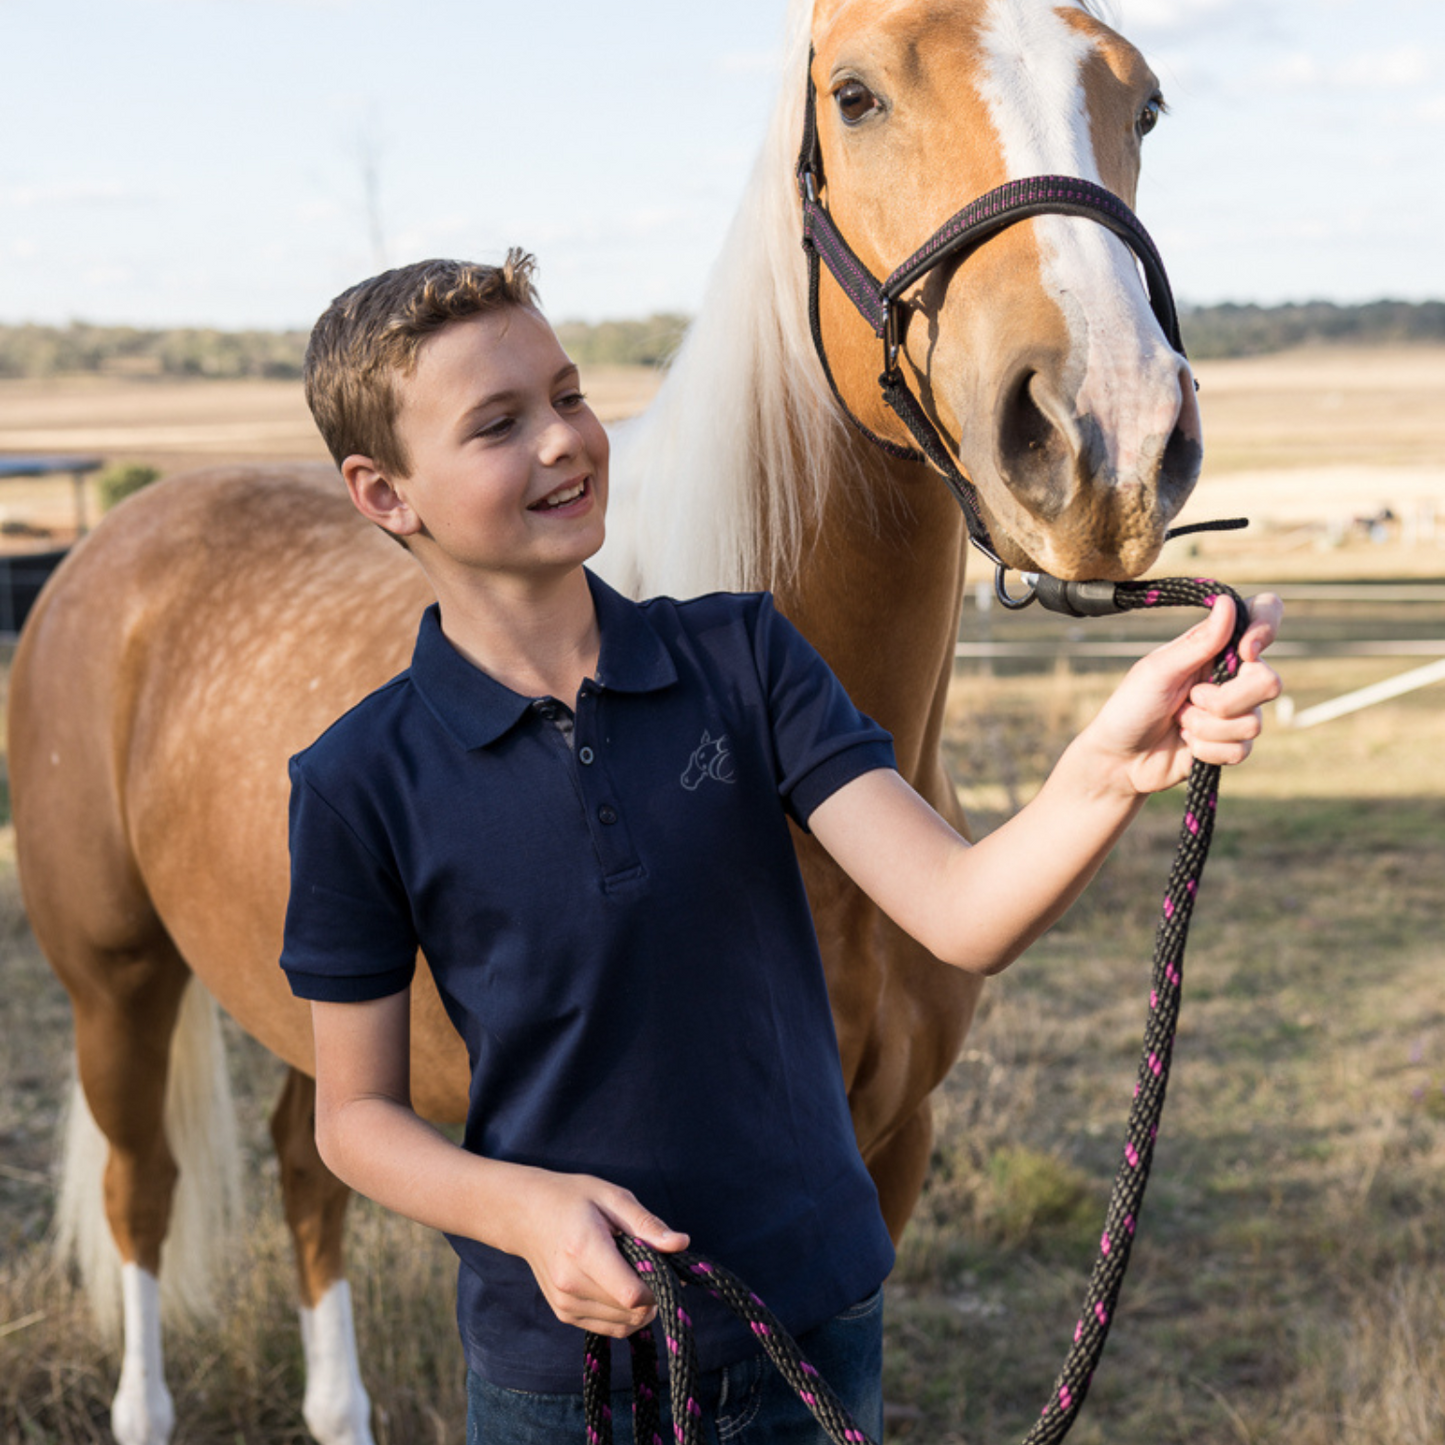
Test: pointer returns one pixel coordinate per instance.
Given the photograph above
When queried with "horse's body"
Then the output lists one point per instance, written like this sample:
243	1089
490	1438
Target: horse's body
215	624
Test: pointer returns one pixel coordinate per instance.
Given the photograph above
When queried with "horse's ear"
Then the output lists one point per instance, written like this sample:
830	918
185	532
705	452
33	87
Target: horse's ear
706	739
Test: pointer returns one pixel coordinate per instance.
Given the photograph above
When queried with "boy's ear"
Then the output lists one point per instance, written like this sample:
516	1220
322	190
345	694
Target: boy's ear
376	498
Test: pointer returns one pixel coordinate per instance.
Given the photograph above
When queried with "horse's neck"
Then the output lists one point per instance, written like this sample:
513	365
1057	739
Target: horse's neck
878	592
874	580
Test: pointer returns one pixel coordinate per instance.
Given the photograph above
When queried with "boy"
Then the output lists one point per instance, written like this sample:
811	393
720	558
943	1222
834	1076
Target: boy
575	806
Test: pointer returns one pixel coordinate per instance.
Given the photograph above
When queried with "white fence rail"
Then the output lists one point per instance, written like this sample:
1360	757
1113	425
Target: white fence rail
1363	697
1286	712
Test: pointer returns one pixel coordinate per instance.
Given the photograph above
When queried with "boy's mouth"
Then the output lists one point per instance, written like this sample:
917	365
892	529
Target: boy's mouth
564	494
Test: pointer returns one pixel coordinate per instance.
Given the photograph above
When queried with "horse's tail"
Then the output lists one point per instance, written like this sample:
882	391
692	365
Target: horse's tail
200	1124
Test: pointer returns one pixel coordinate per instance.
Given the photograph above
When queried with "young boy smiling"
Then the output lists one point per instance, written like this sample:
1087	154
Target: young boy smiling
625	944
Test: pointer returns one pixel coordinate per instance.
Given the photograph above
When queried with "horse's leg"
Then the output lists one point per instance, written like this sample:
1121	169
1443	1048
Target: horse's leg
337	1409
899	1163
123	1033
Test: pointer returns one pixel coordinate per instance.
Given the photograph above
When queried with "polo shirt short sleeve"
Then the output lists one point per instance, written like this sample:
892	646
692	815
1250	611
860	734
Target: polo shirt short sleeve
349	904
619	931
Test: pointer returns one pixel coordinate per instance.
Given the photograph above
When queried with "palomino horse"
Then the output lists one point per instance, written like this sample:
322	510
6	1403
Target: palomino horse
216	623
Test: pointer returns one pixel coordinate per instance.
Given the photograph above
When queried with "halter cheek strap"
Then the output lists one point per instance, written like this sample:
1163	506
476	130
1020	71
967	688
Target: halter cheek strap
881	305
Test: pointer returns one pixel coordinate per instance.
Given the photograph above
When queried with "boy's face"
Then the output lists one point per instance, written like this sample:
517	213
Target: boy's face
509	463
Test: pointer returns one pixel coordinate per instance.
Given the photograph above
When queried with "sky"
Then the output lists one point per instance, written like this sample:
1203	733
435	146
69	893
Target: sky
236	163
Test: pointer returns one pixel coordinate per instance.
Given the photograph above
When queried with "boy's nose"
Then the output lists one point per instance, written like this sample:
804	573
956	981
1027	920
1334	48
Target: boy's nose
560	439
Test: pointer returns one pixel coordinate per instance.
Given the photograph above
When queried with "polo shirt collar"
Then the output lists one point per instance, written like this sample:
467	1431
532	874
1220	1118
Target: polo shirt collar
477	709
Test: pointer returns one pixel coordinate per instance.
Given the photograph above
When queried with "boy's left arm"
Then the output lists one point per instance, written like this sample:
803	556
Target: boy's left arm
979	906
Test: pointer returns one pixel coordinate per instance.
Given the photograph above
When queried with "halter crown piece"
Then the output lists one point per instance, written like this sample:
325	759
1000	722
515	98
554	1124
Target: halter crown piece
881	305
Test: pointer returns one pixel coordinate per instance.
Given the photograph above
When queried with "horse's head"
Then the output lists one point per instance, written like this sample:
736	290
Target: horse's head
1037	355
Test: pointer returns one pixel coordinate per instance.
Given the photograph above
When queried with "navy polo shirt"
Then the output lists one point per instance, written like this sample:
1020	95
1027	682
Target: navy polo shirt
619	931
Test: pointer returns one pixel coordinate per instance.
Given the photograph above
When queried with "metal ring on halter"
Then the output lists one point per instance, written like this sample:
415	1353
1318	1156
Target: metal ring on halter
1000	588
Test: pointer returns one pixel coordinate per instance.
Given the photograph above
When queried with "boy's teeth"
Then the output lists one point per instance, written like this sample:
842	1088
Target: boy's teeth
562	498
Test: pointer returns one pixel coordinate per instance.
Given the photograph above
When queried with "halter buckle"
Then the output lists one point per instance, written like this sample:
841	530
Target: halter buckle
892	341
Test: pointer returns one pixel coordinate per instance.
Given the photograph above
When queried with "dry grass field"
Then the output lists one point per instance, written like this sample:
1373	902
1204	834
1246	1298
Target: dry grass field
1303	444
1288	1282
1306	443
177	425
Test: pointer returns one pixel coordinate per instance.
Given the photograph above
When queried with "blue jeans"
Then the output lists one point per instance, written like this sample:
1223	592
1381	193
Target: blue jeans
748	1403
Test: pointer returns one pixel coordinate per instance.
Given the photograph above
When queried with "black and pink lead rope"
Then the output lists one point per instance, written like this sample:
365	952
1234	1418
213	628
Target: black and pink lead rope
667	1274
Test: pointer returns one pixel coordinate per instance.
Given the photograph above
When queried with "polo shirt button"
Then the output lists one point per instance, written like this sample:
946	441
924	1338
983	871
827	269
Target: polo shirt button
607	813
584	755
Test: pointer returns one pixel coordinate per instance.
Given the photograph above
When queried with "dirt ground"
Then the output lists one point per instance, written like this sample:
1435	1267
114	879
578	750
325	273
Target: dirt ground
1337	456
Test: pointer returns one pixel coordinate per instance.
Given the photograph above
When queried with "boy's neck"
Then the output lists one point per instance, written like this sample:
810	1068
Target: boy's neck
537	636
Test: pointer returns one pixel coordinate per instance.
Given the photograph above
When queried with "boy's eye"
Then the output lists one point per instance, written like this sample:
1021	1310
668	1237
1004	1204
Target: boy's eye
496	429
571	400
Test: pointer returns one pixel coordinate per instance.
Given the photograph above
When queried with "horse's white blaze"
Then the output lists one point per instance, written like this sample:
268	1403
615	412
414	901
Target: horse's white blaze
337	1409
142	1412
1034	88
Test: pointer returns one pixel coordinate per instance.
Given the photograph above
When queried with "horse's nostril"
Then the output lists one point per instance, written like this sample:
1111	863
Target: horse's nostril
1180	466
1026	429
1032	446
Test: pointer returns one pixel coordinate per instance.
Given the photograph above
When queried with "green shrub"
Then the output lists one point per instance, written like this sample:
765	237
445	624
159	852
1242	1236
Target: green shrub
115	484
1028	1192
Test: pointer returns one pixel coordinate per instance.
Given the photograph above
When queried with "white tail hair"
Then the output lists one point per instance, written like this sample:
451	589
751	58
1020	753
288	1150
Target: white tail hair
717	483
200	1125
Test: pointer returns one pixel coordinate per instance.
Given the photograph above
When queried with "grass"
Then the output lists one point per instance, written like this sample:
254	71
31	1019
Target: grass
1289	1278
1288	1282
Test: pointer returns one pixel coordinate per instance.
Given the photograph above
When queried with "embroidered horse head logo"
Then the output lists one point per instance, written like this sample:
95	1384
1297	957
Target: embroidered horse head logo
712	758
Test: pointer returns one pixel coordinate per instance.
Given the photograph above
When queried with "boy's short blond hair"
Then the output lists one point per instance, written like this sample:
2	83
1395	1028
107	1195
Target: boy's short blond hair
370	335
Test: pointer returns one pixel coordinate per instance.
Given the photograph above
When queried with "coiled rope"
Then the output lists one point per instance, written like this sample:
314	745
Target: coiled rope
667	1274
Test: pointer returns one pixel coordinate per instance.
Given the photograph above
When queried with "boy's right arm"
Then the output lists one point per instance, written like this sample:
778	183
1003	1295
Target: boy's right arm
563	1225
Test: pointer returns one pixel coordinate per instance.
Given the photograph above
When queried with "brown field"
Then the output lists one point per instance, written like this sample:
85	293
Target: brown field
1288	1283
176	425
1302	443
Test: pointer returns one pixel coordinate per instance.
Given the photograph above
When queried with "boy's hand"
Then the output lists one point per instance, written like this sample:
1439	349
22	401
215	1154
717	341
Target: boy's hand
568	1238
1166	713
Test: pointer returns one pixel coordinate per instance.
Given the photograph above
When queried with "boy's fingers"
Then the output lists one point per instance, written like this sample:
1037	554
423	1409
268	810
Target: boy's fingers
1209	724
613	1277
1267	609
608	1292
631	1218
1200	645
1204	641
1239	698
1265	614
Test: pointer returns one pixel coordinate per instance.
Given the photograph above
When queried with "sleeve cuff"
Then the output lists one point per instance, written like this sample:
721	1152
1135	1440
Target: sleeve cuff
326	988
832	773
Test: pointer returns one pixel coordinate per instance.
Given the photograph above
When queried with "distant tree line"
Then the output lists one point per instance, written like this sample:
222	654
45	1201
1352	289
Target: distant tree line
652	342
1231	330
39	351
1209	332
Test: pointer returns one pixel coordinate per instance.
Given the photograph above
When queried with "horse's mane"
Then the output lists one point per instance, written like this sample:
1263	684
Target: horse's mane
716	484
719	483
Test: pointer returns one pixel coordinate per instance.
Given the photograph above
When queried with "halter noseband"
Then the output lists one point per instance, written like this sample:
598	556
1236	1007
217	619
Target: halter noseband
881	305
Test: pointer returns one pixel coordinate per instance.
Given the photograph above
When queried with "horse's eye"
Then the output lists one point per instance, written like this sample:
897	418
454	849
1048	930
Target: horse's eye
1154	107
855	101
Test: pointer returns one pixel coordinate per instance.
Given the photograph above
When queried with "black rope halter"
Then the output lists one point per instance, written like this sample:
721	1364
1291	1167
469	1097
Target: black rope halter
881	303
